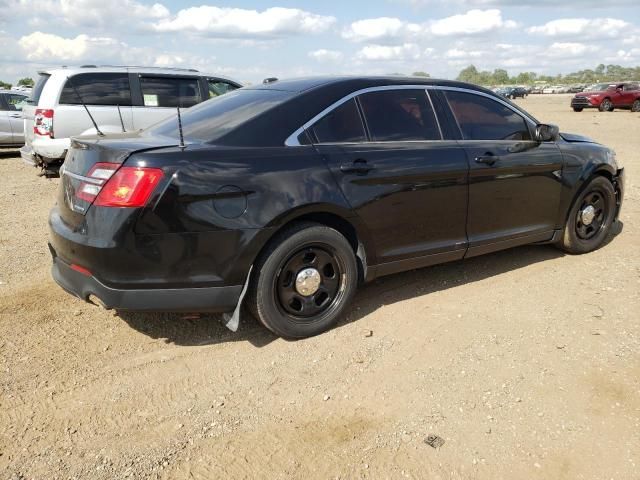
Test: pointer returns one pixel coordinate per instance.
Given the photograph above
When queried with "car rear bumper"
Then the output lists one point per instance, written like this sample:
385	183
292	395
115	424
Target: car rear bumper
86	287
27	155
50	149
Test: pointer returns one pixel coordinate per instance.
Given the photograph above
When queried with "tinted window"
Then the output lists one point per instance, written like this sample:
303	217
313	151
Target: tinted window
630	86
342	124
170	91
97	89
15	102
219	87
397	115
215	118
37	90
481	118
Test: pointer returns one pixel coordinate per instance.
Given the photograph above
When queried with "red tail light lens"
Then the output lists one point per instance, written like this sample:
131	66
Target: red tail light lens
43	122
129	187
99	174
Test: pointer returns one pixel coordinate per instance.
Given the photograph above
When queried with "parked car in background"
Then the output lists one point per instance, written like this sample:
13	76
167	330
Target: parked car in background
575	89
608	96
11	123
298	190
515	92
118	98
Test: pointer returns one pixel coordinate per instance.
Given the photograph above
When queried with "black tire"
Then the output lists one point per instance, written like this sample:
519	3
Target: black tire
273	297
577	109
606	106
635	106
580	236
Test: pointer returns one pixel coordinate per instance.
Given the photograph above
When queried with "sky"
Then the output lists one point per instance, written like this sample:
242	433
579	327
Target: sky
251	40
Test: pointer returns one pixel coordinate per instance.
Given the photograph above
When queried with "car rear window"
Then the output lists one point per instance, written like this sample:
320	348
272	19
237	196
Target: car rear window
37	89
211	120
97	89
170	91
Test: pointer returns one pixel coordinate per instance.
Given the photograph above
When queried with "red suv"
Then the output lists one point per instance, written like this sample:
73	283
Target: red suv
607	96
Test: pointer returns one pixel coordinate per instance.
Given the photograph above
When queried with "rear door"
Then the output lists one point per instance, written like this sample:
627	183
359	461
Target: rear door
514	181
14	105
103	93
161	95
407	185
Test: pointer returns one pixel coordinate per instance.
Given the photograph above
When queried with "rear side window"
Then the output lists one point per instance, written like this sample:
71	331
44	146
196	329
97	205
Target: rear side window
343	124
219	87
15	102
97	89
481	118
170	91
399	115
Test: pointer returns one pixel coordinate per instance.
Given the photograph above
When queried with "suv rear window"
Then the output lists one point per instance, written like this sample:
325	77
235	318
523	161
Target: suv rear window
170	91
37	90
97	89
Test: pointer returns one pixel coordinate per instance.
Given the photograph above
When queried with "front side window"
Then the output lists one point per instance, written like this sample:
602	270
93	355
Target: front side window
481	118
399	115
97	89
15	102
219	87
170	92
342	125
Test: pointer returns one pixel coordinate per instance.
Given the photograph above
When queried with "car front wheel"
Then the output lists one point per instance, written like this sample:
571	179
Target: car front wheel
577	109
304	280
590	218
606	105
635	107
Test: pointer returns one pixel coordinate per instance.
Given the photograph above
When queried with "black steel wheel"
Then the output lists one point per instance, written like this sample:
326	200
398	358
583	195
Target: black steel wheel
303	280
635	106
590	217
606	106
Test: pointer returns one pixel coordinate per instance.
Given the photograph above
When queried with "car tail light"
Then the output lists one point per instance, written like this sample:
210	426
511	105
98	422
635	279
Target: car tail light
129	187
43	122
96	178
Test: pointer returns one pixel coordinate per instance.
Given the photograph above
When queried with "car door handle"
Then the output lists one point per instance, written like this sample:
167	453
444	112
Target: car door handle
488	158
15	115
357	166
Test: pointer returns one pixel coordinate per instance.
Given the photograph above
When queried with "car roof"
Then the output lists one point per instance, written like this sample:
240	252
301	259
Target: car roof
73	70
299	85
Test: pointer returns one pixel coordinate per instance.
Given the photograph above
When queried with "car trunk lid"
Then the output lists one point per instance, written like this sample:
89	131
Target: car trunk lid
90	162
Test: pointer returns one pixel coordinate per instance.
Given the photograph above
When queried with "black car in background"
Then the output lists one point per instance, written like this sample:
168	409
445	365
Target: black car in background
296	191
515	92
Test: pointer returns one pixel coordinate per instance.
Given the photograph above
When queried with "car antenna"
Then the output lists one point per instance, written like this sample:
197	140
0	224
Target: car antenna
121	121
180	129
85	107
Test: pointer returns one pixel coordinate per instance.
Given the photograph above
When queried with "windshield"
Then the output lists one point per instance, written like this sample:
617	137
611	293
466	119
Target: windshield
600	87
214	118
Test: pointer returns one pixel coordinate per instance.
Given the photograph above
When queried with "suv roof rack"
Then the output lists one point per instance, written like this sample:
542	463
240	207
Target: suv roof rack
138	66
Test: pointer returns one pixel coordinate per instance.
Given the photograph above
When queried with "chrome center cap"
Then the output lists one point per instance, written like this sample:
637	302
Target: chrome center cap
588	214
308	281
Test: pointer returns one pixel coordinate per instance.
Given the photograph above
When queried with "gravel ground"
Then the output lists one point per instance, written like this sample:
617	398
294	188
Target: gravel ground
525	362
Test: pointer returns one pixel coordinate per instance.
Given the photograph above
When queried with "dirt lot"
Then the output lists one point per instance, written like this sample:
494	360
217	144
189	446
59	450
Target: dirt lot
526	362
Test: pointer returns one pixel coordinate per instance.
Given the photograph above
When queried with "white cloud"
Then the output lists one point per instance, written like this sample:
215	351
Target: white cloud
379	28
471	23
324	55
389	53
581	27
45	46
237	22
570	49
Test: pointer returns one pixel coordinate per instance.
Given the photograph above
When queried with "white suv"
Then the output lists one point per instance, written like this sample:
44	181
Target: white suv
118	98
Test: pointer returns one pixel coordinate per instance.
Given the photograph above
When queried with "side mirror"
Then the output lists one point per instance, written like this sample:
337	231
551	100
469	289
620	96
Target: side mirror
547	133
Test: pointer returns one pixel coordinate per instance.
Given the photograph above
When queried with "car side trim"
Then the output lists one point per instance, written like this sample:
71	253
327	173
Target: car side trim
292	140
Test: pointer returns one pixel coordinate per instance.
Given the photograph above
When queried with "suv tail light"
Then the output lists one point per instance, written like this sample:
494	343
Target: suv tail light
107	185
43	122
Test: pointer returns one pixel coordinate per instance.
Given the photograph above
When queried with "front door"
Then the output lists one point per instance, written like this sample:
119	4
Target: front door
408	186
514	181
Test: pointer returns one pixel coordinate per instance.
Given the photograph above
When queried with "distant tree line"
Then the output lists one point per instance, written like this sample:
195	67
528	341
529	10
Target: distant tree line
27	82
602	73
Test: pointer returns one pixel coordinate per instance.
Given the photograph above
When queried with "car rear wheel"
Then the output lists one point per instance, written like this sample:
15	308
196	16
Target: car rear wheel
303	281
577	109
590	217
606	106
635	107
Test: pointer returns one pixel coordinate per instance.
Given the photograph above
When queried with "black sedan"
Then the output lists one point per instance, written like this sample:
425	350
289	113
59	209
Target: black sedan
296	191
